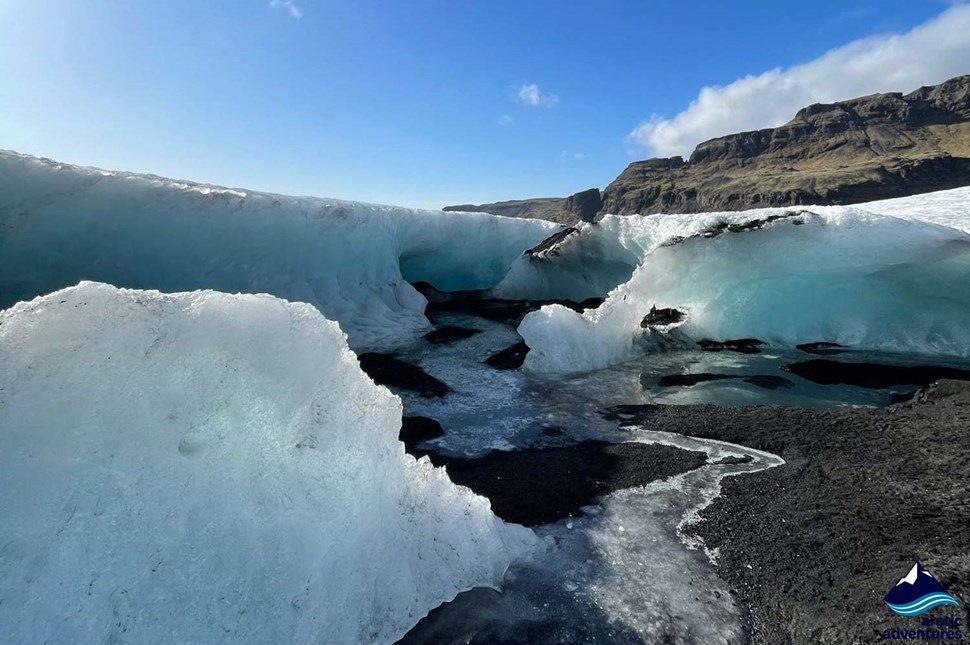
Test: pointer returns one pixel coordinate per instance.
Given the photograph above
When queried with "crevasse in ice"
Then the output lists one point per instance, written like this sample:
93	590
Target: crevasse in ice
202	467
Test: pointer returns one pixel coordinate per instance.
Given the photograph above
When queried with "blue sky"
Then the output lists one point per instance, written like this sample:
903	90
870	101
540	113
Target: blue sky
426	102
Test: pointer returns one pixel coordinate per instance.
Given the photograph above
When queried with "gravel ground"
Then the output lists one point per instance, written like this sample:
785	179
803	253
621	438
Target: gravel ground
813	546
809	548
538	486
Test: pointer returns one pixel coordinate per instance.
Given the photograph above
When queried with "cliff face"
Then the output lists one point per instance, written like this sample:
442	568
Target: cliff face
874	147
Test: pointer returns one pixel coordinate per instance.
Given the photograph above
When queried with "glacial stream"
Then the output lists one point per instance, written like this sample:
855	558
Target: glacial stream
625	571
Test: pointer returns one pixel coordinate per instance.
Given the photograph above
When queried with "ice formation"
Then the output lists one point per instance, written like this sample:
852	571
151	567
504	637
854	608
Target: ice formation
588	263
203	467
945	207
61	224
838	274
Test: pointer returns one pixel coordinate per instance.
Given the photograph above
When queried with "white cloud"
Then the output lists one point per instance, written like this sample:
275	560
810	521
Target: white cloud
928	54
287	5
505	119
531	95
566	154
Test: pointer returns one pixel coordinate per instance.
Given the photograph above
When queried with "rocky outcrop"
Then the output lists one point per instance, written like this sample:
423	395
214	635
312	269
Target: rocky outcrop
548	208
550	247
581	207
584	205
873	147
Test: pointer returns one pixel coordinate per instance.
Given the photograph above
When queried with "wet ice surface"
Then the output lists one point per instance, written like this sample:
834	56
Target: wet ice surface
621	573
624	572
494	409
628	562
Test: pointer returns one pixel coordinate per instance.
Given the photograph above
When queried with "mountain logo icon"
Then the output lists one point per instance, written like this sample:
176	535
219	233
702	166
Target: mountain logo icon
917	592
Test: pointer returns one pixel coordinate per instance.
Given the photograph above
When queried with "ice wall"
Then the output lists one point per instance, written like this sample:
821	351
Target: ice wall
203	467
841	274
60	224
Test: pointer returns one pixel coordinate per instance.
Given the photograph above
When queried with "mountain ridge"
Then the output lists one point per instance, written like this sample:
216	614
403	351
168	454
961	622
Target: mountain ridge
871	147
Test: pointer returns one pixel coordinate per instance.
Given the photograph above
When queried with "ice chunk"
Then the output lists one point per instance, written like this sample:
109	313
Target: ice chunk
841	275
588	263
203	467
62	224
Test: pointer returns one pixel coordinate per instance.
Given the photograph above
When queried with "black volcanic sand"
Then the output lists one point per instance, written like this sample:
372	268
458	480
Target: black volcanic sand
388	369
738	345
510	358
764	381
415	429
449	334
477	303
541	485
821	347
876	376
814	545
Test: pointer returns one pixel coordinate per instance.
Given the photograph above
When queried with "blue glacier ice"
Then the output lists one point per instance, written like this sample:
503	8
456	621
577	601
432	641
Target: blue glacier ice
848	275
60	224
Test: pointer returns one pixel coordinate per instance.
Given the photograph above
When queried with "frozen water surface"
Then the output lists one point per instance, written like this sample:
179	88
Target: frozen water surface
624	572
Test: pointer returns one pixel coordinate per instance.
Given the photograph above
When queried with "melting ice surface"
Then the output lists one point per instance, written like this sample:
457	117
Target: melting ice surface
840	274
60	224
203	468
621	573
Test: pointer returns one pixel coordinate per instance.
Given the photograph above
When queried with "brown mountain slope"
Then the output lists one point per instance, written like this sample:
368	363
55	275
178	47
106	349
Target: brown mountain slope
549	208
873	147
583	206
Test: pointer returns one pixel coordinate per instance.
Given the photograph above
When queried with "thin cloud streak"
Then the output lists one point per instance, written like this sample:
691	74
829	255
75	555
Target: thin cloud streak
289	6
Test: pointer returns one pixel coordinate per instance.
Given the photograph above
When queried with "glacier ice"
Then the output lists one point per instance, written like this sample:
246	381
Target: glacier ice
838	274
60	224
945	207
587	263
203	467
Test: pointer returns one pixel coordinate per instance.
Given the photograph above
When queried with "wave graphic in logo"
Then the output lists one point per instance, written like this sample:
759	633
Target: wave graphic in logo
917	592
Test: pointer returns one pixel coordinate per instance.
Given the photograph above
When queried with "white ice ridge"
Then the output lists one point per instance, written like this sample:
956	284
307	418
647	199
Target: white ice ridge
60	224
837	274
202	467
